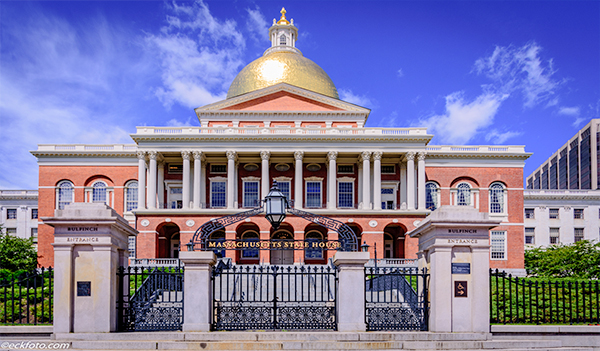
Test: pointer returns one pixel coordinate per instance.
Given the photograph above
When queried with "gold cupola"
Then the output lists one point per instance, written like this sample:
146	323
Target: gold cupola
282	63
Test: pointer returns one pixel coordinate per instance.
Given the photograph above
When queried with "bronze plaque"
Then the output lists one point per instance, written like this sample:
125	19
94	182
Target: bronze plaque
460	289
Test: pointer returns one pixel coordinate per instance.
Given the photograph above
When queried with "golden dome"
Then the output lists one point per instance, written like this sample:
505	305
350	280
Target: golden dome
282	67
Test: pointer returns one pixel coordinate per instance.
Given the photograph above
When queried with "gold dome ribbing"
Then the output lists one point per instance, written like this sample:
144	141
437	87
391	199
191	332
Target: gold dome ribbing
282	67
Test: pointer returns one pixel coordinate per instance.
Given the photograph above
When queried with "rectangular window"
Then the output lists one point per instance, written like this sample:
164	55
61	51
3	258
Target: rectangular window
313	194
34	213
284	187
131	246
578	234
34	235
530	236
498	249
346	194
530	213
11	213
552	177
578	213
388	169
544	184
251	198
217	194
574	165
132	198
175	168
553	213
218	168
554	235
563	181
11	231
346	169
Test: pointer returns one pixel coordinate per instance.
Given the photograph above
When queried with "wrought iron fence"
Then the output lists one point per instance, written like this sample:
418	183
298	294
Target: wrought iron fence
515	300
274	297
27	298
151	298
396	298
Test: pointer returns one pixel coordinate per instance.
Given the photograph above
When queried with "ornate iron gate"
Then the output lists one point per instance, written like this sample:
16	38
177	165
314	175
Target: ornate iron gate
396	298
274	297
151	298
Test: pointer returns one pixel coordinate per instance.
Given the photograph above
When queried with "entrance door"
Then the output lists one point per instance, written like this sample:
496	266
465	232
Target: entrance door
388	196
282	256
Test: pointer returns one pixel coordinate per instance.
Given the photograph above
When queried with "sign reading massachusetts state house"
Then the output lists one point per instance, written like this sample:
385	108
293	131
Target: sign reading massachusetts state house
273	244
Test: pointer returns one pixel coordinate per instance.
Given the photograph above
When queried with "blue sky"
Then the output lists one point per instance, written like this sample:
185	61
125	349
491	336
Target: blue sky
474	72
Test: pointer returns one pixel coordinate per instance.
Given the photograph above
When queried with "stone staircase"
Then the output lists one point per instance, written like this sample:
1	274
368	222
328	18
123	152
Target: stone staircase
306	341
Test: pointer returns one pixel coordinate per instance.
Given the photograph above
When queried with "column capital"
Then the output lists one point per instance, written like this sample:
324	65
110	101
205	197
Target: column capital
141	155
231	155
153	155
377	155
332	155
264	155
298	155
421	155
186	155
365	155
410	156
198	155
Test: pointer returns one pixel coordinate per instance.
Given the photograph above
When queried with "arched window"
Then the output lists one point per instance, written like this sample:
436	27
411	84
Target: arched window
313	252
218	236
432	198
282	40
497	198
65	194
131	195
463	196
252	238
99	192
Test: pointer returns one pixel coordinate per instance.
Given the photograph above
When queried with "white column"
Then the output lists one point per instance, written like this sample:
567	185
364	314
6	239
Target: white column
298	156
366	160
264	170
410	181
185	198
360	185
152	155
421	180
197	176
231	158
203	184
141	180
161	185
403	185
377	180
331	179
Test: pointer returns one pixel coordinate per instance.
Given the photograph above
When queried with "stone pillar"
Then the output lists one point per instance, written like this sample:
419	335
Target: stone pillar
377	180
264	172
90	243
161	184
351	303
421	180
410	180
332	180
231	158
185	196
141	180
360	186
203	184
454	244
197	310
366	161
298	181
197	175
152	155
403	200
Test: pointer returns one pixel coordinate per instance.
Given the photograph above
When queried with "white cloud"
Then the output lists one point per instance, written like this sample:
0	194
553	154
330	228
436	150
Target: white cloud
257	25
496	137
520	69
462	120
569	111
400	73
200	55
360	100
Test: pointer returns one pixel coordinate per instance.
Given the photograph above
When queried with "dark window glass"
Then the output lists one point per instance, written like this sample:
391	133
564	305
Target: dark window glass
552	178
574	165
585	150
536	182
388	169
544	184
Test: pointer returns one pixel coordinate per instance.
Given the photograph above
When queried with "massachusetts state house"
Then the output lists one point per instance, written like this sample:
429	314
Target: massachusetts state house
283	121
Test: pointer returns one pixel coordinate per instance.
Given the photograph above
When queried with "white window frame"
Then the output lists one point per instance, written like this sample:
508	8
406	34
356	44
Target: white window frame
131	246
532	213
345	180
576	210
171	184
531	234
503	201
550	210
554	236
434	198
313	180
128	187
58	187
246	180
287	180
213	180
16	214
469	201
575	234
394	186
504	245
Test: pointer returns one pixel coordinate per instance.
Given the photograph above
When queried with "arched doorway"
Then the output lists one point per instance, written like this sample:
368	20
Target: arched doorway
393	241
248	233
282	255
167	245
315	233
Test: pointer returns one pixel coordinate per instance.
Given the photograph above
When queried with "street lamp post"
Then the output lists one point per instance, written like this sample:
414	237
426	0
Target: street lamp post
275	206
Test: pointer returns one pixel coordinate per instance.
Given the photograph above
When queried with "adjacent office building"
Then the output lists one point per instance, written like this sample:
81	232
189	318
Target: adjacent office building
19	213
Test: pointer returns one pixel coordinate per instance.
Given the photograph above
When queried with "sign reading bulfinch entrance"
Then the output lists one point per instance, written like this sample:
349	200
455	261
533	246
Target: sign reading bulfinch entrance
460	289
273	244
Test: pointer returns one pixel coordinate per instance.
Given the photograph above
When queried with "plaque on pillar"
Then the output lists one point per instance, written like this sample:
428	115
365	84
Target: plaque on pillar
84	288
460	288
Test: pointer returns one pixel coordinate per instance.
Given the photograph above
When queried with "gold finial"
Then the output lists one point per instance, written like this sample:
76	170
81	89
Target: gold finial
283	20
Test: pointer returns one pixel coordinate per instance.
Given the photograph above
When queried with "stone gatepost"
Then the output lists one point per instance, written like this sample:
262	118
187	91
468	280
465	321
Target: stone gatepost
197	309
454	246
90	243
351	290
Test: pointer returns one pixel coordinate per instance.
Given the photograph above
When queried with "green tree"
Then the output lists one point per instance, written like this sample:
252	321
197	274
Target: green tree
579	260
17	254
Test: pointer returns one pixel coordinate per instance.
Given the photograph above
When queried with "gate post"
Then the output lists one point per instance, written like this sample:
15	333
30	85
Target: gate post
197	292
351	290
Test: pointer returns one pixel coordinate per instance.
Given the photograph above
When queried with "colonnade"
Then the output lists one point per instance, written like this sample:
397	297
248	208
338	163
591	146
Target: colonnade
368	196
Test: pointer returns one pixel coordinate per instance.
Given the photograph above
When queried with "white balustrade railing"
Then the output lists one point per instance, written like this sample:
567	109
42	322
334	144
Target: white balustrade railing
19	192
281	130
480	148
84	147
